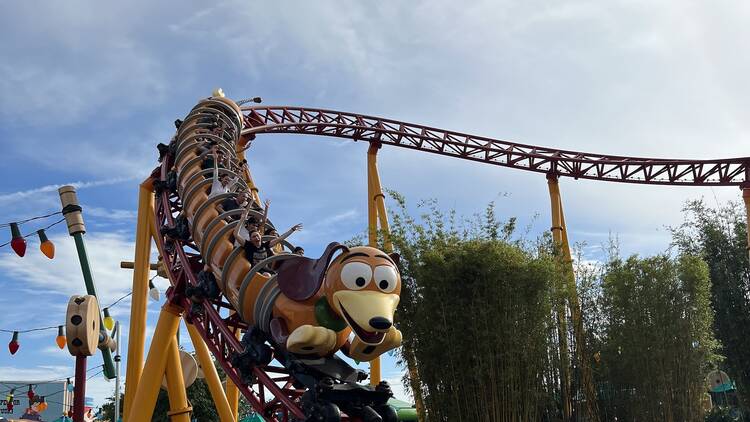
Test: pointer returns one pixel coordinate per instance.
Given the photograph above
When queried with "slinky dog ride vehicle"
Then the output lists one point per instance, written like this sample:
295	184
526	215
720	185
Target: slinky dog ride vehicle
299	311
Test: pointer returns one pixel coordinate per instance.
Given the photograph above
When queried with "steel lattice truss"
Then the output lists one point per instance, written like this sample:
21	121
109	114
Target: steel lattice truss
271	392
579	165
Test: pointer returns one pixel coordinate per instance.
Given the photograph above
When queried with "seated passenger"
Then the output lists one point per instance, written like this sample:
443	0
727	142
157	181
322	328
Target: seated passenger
221	184
232	203
298	250
256	250
249	225
212	154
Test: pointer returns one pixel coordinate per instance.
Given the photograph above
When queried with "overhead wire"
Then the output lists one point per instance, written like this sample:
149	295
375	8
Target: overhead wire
19	222
35	231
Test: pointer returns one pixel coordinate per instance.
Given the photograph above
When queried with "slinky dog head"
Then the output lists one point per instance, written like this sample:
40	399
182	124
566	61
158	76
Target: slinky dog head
362	285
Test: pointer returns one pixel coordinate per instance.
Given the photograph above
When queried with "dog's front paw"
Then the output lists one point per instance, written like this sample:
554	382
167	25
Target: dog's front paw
366	352
308	340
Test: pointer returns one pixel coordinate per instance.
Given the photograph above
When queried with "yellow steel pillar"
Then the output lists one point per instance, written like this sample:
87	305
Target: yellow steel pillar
137	331
562	324
156	362
211	376
233	393
179	408
373	194
248	176
560	238
746	198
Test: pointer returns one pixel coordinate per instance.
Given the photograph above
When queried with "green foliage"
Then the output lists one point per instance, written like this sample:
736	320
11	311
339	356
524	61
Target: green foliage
719	236
198	396
659	344
478	314
723	414
475	314
108	408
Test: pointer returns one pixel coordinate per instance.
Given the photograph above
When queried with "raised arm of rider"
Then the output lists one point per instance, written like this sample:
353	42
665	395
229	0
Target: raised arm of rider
286	234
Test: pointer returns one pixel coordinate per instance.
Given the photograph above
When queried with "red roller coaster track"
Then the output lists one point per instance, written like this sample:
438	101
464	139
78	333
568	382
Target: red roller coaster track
275	396
579	165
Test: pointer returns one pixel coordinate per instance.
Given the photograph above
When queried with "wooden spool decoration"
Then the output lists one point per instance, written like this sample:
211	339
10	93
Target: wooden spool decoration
189	370
82	325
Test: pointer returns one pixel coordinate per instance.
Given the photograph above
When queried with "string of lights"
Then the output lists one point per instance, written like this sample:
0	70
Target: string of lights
30	219
61	340
9	388
18	241
29	330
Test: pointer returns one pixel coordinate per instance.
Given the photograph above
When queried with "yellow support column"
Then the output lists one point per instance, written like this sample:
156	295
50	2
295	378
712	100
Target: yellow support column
233	393
156	362
248	176
179	408
562	327
137	331
560	237
211	376
372	230
377	200
746	198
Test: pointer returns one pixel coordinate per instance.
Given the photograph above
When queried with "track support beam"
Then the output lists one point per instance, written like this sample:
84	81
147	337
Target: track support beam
179	408
141	266
746	199
560	239
156	363
233	393
211	376
376	213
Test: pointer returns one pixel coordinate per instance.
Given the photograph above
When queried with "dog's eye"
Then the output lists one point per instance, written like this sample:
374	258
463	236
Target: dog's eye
385	278
356	275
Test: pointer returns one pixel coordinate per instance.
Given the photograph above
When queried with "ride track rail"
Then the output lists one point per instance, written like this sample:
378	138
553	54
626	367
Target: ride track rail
579	165
220	333
276	397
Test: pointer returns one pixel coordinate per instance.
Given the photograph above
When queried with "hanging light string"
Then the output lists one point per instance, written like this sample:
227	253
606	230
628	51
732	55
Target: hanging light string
37	383
118	300
30	329
35	231
30	219
56	326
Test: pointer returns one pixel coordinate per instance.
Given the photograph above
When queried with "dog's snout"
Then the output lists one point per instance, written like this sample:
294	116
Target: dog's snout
380	323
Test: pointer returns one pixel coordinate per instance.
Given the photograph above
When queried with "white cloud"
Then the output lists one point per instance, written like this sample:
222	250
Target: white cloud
15	196
40	373
63	274
112	214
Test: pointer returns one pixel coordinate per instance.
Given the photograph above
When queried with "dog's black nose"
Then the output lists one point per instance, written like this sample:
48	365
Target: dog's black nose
380	323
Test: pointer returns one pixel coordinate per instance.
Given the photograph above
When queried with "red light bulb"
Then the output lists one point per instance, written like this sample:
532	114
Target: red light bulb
18	243
14	344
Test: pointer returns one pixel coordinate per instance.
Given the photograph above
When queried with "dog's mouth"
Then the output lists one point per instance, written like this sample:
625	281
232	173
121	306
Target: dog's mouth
364	335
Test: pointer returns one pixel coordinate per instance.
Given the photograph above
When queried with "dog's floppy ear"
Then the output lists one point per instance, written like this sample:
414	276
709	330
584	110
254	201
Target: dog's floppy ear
396	258
300	277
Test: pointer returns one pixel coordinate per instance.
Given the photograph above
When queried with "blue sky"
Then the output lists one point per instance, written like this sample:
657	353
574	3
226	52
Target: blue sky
87	90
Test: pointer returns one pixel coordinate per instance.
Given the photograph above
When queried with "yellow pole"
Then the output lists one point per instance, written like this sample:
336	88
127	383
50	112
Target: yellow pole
378	198
372	226
233	393
746	198
156	362
137	331
248	176
211	376
592	408
562	328
179	408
